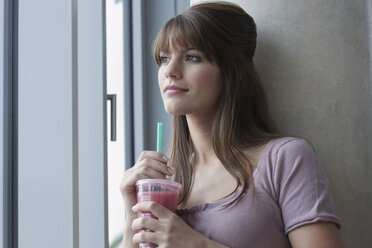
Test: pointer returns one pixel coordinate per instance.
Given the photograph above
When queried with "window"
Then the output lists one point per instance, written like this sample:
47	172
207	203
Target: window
115	149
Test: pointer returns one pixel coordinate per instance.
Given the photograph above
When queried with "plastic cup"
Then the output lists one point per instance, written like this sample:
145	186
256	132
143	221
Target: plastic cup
162	191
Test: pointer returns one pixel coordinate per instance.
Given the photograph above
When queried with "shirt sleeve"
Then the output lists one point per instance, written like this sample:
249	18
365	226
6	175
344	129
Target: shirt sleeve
302	186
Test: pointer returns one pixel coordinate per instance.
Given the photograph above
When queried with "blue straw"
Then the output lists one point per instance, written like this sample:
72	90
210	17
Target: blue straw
159	137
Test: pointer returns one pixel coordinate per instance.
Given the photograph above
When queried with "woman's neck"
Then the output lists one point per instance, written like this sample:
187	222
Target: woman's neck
201	136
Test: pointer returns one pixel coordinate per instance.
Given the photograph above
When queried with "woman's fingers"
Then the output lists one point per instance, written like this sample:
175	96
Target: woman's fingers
145	237
168	230
153	155
151	173
153	207
128	182
149	163
145	223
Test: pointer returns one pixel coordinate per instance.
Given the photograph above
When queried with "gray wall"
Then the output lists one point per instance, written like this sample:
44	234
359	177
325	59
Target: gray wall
1	121
314	60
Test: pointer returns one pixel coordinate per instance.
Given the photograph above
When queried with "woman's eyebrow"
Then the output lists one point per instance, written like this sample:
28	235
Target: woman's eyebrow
189	49
184	50
163	52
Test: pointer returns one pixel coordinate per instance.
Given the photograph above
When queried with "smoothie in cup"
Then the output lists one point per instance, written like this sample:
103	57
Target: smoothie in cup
162	191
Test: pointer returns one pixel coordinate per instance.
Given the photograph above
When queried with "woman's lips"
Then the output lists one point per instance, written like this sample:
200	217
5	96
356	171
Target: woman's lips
172	89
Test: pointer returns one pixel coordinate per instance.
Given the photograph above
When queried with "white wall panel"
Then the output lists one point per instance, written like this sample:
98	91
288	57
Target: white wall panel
92	114
45	124
61	124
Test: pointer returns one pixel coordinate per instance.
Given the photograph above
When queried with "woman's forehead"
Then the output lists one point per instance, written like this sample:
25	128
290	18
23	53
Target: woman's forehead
175	44
179	49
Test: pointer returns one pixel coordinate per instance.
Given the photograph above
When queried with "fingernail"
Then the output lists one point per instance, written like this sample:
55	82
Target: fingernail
165	158
134	208
171	171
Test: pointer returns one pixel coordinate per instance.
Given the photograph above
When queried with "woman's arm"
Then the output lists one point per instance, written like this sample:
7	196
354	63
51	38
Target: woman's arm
150	164
128	234
319	235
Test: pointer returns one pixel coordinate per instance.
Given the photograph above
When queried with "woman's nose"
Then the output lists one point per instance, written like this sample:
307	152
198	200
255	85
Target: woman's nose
173	70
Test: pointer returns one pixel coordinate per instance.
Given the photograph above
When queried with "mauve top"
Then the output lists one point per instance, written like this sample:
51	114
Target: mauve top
291	190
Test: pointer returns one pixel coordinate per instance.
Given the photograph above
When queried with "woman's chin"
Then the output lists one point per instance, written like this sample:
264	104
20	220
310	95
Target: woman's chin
176	111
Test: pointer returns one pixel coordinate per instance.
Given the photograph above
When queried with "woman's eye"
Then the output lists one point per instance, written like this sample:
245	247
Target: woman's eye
164	59
193	58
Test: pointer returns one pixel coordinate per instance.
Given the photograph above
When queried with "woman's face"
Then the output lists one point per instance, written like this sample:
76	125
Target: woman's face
189	83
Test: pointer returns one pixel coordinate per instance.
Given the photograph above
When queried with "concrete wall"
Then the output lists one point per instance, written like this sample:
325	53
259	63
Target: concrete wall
2	200
314	60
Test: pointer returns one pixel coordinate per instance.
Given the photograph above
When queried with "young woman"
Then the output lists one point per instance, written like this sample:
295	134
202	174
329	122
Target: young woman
244	184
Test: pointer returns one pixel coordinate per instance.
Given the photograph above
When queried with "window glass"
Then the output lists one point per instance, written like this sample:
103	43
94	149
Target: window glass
115	149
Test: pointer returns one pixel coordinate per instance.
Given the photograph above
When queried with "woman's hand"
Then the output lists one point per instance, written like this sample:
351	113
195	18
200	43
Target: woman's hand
150	164
168	231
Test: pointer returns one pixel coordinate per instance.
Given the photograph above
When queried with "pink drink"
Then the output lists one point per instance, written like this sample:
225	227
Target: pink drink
167	199
164	192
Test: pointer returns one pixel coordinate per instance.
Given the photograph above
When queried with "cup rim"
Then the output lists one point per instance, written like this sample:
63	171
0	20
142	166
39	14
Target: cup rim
160	181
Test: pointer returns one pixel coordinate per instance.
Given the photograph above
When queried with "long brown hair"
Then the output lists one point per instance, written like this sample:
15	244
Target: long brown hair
226	35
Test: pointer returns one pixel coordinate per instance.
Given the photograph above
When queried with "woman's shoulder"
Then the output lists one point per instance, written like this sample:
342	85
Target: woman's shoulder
289	161
289	145
288	152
